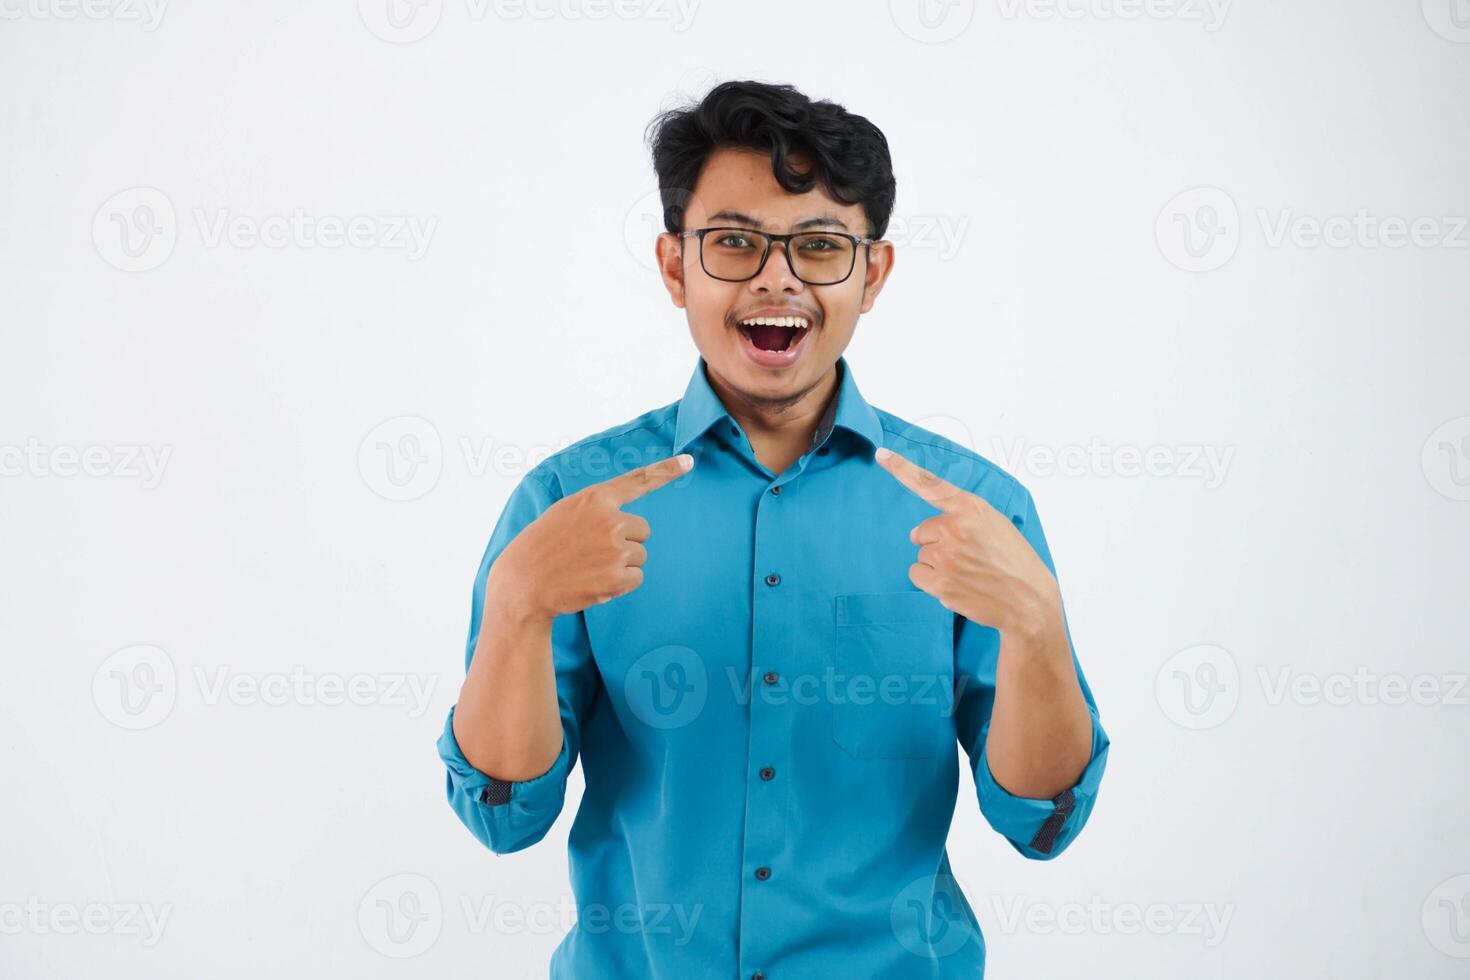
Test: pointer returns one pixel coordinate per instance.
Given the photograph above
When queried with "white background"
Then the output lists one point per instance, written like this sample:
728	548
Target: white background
1046	305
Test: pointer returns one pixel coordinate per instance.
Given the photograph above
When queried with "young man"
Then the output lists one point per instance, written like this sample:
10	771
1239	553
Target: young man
765	614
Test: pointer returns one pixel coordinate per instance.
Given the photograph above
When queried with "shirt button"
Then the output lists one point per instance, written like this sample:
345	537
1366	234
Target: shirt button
771	677
773	579
776	491
768	773
757	975
822	451
762	873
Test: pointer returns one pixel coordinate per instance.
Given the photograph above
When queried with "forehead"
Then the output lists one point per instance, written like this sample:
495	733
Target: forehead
736	181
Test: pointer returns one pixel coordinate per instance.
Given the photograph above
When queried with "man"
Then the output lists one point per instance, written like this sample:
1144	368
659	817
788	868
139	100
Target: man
765	614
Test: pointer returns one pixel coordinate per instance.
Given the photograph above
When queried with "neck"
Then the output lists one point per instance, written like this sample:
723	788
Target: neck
780	429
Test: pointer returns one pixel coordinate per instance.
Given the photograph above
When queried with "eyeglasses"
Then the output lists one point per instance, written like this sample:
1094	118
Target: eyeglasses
817	258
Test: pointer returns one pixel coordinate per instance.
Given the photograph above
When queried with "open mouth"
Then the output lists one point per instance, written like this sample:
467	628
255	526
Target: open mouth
776	334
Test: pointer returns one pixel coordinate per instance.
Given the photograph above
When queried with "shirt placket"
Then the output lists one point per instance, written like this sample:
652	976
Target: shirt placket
777	537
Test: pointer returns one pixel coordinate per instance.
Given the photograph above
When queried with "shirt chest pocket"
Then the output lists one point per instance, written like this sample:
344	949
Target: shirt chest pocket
893	664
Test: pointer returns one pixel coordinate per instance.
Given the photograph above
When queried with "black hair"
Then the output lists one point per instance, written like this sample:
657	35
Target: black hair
849	154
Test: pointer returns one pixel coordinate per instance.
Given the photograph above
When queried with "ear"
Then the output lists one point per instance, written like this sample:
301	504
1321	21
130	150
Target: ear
669	254
879	265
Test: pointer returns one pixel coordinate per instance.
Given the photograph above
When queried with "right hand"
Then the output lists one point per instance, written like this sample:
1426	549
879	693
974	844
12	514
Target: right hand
583	550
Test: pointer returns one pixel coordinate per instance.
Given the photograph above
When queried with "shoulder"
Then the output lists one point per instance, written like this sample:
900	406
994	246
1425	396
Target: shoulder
956	462
613	450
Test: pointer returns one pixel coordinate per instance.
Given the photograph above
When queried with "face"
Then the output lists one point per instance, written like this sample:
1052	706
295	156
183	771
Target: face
738	189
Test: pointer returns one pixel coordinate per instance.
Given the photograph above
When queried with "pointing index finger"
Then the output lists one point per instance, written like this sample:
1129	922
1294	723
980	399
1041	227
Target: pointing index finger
633	484
933	489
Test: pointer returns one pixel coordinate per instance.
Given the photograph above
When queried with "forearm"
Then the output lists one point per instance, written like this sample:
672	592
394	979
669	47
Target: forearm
1040	737
507	721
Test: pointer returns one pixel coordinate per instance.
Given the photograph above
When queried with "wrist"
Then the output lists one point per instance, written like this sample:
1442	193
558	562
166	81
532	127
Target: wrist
1037	625
509	602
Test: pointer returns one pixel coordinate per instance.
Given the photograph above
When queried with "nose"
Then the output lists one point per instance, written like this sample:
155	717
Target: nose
777	273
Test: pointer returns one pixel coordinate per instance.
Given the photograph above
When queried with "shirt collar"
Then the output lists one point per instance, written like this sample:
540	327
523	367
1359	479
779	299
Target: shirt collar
701	408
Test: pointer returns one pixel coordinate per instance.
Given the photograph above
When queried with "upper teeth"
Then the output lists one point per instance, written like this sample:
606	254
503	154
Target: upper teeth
777	321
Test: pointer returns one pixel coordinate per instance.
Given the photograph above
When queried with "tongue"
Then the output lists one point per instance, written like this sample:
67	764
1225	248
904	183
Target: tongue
771	337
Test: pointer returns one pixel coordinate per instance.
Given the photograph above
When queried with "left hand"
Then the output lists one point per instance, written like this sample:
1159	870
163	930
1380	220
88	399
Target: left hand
974	560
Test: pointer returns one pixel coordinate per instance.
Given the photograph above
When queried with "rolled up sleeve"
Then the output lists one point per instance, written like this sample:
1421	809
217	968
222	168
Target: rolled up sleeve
1039	829
505	816
508	816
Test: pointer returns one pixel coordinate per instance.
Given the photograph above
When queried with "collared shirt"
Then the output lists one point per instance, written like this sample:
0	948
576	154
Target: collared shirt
770	725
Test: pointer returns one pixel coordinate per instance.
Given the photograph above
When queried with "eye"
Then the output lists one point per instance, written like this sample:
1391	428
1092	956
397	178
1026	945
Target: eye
819	245
734	239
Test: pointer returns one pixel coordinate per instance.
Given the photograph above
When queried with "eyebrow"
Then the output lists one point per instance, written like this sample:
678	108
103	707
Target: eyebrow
743	218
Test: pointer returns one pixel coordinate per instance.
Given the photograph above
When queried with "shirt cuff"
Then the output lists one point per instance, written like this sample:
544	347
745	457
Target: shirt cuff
1042	828
525	798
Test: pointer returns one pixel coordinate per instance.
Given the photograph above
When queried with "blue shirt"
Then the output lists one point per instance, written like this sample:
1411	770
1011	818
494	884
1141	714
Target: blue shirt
768	725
